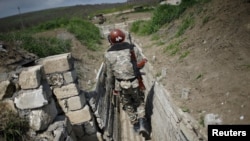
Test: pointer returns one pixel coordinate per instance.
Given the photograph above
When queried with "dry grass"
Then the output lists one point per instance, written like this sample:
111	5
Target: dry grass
12	127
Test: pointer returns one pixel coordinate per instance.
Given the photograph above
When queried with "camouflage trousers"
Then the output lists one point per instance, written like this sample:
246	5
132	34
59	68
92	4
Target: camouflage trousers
132	100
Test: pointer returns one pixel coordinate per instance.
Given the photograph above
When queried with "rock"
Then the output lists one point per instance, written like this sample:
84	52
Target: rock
30	99
41	118
211	119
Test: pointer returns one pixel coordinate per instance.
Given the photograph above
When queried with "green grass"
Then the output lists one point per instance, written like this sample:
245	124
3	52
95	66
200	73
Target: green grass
165	14
185	109
158	74
160	43
137	27
186	23
173	48
155	37
86	32
202	122
205	20
184	55
199	76
42	46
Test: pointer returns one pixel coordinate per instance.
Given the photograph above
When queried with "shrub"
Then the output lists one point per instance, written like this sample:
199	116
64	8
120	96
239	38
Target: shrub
164	14
44	47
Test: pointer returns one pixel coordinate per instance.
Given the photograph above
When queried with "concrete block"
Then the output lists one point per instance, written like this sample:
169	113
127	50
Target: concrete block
70	76
57	63
66	91
30	78
76	102
41	118
30	99
79	116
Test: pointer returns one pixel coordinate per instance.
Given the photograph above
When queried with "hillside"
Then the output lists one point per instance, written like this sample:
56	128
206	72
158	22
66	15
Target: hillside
34	18
206	69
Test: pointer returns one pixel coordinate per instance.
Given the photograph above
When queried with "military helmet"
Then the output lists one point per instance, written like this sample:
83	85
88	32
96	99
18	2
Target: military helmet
116	36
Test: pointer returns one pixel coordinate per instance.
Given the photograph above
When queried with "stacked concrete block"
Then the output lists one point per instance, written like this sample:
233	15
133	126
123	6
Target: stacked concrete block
35	98
48	95
61	76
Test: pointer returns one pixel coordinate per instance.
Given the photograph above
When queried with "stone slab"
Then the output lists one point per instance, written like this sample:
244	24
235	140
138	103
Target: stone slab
66	91
30	78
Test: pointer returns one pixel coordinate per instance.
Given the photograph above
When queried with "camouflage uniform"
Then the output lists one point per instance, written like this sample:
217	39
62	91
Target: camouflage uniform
120	74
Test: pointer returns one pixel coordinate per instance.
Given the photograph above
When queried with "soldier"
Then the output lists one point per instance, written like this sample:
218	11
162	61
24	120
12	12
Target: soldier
120	70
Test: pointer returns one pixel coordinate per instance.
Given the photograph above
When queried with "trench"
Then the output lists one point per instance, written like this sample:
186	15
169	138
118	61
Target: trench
166	121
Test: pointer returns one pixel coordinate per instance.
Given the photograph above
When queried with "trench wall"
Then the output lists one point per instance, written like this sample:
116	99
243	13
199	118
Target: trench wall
167	121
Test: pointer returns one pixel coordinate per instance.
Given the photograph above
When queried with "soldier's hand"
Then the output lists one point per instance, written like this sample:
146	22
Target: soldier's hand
142	63
116	92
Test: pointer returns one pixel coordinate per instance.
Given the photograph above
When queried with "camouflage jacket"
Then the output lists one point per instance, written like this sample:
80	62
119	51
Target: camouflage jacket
118	63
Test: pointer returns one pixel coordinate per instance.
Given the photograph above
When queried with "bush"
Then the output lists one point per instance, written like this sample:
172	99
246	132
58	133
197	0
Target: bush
163	14
44	47
12	127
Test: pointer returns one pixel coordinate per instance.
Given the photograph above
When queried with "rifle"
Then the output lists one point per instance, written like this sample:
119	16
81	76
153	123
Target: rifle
137	72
